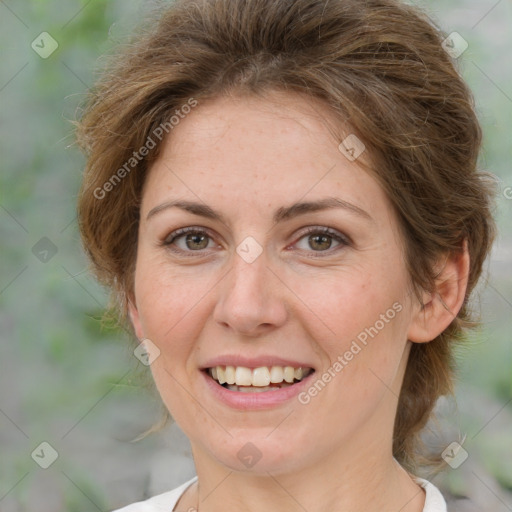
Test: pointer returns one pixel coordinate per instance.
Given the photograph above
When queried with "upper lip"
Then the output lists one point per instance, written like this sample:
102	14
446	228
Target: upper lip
253	362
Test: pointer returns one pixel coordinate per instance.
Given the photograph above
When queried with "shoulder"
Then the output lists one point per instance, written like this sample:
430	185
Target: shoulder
434	501
162	502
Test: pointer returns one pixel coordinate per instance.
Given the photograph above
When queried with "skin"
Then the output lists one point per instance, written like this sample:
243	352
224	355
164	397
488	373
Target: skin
247	157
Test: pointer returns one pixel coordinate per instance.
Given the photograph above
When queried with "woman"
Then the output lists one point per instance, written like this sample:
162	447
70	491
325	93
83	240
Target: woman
284	199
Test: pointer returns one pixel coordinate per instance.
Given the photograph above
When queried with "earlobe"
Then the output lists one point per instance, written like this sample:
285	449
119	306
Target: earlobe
133	312
442	305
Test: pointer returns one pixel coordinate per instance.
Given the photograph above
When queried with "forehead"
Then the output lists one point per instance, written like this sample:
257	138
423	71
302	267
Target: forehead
257	151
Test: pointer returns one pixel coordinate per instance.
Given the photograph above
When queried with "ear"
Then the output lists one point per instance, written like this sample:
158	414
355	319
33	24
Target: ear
135	317
442	305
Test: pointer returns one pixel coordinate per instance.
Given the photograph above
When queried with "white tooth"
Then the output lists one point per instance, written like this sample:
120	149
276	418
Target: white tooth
298	373
221	375
233	388
230	374
276	374
213	373
243	376
289	373
284	385
260	376
246	389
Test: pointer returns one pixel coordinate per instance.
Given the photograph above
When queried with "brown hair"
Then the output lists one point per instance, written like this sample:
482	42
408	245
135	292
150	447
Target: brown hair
379	65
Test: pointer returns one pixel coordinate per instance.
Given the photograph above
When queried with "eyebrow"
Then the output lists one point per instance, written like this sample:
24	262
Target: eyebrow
280	215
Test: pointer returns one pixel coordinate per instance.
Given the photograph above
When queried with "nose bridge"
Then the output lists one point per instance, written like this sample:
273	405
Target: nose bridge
249	298
248	282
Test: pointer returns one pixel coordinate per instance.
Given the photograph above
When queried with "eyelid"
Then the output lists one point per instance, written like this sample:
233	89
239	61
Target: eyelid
167	242
343	239
338	235
185	230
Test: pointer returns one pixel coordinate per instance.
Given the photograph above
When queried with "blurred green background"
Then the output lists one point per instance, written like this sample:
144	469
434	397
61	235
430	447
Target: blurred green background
68	381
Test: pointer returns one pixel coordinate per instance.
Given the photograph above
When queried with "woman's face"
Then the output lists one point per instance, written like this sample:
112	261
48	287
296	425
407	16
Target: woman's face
292	259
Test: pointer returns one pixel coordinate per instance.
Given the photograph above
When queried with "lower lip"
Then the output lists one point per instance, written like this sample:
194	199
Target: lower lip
254	401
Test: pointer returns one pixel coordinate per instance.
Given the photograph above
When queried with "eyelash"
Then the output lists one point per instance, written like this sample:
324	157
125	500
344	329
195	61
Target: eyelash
343	240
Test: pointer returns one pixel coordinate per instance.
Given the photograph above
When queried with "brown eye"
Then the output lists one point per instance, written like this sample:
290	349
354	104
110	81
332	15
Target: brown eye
322	239
196	241
320	242
188	240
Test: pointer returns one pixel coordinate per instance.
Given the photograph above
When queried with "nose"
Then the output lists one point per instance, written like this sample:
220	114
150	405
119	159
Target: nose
251	298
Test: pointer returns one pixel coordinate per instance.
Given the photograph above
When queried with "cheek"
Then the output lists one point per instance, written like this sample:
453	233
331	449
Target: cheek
172	310
359	325
167	299
345	304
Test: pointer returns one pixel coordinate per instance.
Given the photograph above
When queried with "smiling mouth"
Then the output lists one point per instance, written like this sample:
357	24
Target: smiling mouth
257	380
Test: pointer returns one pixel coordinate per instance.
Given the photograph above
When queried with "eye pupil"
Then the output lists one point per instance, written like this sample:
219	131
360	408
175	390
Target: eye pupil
196	238
322	242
